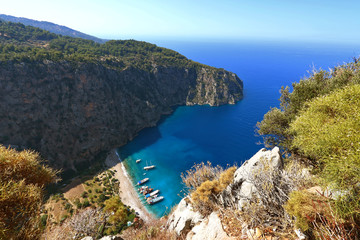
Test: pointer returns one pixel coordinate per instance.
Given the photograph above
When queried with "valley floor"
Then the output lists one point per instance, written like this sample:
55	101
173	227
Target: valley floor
127	191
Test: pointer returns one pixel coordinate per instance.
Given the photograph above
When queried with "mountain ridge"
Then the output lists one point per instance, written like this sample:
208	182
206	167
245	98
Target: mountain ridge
51	27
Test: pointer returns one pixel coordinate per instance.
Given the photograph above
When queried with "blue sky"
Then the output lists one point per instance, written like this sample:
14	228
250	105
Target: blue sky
295	20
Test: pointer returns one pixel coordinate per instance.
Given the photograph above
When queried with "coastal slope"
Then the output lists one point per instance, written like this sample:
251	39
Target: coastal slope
71	99
51	27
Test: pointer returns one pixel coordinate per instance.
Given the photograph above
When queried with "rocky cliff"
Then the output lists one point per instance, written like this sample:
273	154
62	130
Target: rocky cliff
70	111
187	222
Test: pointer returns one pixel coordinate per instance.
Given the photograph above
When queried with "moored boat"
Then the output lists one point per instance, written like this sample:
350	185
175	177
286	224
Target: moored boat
143	181
155	200
149	167
137	161
142	189
151	194
148	190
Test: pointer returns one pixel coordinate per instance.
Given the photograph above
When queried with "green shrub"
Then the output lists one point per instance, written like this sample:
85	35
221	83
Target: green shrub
305	206
274	127
68	206
78	203
43	220
328	131
101	198
86	203
84	194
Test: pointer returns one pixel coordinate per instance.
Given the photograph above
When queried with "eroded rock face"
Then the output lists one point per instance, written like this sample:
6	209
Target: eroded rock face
69	112
184	218
211	228
242	188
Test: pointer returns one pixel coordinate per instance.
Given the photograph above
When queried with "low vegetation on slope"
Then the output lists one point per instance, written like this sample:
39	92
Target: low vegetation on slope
318	123
25	44
22	181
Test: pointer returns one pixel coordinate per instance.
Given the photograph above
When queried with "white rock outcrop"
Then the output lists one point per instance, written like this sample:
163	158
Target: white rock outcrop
183	219
211	228
244	188
187	222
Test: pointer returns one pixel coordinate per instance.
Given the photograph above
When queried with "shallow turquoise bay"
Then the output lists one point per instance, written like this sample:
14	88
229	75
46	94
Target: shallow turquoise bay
222	135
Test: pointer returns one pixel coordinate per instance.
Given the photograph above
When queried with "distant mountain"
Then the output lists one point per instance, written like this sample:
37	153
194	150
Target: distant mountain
51	27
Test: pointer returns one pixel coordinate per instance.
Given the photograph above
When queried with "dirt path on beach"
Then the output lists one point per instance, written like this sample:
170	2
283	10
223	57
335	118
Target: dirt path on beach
127	192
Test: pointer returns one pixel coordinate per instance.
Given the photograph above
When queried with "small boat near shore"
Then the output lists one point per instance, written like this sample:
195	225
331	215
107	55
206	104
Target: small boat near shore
155	200
143	188
149	167
152	194
143	181
147	190
138	160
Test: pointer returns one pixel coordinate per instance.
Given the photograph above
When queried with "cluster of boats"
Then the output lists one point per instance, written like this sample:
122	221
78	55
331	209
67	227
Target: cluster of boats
151	195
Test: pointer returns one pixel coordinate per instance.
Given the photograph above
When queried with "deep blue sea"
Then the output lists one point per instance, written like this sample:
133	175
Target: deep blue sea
223	135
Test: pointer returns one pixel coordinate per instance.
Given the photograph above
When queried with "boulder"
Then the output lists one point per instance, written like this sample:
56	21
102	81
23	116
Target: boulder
242	188
111	238
211	228
183	218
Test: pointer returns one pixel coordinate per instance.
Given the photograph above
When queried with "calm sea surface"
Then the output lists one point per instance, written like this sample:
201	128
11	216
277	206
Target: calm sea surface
223	135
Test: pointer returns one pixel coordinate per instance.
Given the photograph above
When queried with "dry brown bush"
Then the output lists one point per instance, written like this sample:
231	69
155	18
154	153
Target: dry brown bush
265	209
22	178
315	214
205	183
89	222
200	173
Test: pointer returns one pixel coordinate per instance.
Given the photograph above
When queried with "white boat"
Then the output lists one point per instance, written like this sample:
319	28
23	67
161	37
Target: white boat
153	193
137	161
149	167
155	200
143	181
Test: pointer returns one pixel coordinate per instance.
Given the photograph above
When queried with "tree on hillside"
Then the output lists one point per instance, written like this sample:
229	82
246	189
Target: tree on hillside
22	180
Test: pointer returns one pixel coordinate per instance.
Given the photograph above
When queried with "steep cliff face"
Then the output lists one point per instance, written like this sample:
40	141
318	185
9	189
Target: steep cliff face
71	111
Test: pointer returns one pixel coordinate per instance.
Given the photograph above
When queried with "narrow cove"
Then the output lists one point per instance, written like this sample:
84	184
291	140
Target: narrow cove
226	134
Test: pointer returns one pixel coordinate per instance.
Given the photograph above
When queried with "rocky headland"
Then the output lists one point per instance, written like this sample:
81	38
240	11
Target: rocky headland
70	104
70	113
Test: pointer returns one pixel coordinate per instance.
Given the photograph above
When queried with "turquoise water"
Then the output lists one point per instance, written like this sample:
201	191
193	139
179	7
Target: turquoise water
223	135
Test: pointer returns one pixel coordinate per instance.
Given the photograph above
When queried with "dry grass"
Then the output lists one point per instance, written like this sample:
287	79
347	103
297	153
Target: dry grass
74	189
22	178
200	173
155	231
205	183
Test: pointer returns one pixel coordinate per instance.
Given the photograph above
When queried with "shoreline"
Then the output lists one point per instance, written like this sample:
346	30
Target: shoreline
127	192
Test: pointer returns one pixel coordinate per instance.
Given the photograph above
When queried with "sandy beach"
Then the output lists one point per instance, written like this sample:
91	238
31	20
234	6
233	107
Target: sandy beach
127	192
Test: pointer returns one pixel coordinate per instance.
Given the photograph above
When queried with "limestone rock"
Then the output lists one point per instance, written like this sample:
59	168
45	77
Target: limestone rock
185	221
87	238
104	238
211	228
242	188
183	218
